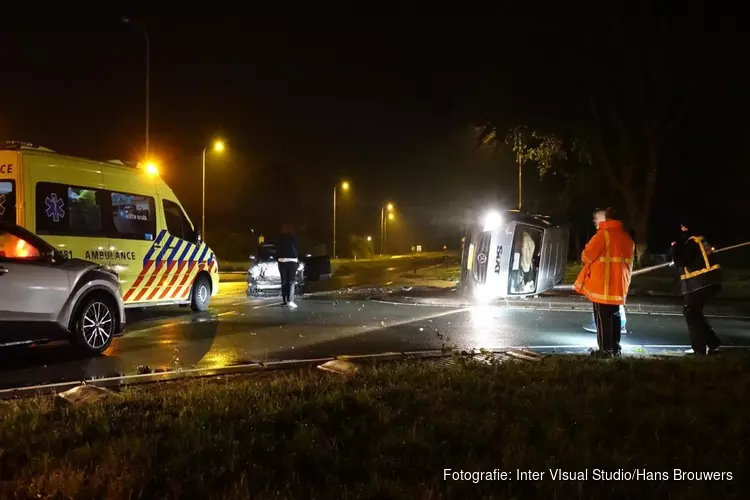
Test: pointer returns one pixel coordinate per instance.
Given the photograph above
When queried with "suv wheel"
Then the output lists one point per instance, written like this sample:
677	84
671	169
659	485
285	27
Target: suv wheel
94	325
201	295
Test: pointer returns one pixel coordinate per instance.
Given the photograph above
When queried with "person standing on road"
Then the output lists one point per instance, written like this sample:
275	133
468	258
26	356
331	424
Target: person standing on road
605	278
700	281
591	327
287	255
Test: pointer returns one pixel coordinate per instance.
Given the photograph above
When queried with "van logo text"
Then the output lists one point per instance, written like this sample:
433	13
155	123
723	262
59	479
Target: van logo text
6	169
498	258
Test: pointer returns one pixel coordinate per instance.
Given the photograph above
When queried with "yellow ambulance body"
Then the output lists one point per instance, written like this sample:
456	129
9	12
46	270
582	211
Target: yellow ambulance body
119	216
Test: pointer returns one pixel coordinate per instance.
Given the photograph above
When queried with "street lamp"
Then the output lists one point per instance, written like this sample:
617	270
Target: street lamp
148	75
369	238
389	207
344	187
217	146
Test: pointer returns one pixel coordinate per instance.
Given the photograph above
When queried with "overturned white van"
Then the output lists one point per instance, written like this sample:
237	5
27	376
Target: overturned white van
512	254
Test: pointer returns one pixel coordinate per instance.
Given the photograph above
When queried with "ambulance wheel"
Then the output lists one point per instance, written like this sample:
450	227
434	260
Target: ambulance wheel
201	295
94	325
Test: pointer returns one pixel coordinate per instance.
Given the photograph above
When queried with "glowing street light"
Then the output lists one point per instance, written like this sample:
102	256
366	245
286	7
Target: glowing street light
218	146
344	187
389	207
369	238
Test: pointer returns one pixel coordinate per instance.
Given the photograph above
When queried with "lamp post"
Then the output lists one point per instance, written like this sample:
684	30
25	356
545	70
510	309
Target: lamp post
148	77
344	187
218	146
391	217
383	209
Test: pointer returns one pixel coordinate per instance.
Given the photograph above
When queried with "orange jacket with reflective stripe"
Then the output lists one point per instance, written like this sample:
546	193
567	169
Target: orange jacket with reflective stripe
607	265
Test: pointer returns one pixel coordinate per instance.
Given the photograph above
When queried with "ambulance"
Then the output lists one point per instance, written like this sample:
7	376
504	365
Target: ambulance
122	217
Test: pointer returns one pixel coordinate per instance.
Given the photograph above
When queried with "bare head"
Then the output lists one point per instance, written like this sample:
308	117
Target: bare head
604	214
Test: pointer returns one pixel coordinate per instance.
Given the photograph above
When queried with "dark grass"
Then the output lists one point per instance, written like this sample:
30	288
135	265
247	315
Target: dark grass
390	432
448	270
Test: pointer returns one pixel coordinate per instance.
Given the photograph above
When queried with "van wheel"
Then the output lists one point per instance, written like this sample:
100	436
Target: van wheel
94	325
201	295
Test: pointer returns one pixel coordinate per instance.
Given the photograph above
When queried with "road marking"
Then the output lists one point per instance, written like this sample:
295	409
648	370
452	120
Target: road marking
374	298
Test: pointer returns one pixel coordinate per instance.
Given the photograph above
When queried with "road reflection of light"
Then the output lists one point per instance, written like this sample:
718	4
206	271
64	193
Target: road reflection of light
484	319
583	339
218	359
482	294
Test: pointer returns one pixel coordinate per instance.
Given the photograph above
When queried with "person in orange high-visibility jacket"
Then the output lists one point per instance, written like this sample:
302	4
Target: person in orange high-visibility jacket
605	278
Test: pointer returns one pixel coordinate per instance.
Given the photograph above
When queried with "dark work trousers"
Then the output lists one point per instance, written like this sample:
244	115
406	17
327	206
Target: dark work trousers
701	333
288	272
608	324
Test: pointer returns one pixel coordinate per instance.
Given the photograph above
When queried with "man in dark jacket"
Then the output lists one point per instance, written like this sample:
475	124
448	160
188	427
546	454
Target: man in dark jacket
287	256
700	281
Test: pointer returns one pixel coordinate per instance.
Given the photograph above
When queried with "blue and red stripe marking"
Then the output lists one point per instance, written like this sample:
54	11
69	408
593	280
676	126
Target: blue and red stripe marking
154	262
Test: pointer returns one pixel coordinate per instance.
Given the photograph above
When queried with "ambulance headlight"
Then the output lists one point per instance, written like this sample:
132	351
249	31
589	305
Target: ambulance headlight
492	220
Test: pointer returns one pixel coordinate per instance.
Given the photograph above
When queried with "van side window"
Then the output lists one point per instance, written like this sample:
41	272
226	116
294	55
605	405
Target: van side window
177	223
68	210
7	201
133	216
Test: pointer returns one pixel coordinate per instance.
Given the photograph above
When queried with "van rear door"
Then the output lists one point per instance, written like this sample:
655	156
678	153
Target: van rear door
9	169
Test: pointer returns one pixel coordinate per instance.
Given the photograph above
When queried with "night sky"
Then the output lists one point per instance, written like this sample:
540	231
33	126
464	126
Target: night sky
385	101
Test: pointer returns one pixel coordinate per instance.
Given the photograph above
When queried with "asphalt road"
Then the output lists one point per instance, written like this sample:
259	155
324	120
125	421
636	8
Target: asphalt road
238	330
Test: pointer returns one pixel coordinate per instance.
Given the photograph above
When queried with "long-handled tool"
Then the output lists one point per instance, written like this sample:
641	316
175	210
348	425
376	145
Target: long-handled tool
645	270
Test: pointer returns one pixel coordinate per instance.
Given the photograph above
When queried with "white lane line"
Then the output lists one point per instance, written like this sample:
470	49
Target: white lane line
549	309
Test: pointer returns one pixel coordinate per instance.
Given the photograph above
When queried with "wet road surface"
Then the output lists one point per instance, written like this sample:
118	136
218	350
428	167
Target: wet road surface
239	330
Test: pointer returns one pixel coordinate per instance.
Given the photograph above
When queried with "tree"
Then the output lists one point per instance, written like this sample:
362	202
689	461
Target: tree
626	93
361	248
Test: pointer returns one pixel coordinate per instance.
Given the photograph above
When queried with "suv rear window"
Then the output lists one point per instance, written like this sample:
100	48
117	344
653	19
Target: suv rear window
8	201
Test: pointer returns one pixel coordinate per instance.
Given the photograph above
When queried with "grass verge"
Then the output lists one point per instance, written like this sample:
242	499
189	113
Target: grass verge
391	432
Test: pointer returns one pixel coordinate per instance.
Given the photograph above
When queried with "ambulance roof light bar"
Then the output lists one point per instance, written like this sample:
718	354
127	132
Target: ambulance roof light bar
19	145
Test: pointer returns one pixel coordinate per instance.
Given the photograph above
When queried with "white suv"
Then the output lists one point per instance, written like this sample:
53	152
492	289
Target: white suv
45	296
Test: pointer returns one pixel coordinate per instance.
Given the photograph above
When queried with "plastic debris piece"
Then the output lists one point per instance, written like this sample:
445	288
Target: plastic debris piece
340	367
84	394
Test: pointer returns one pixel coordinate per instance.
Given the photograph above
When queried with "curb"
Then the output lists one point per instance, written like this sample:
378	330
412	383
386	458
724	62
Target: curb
437	357
123	381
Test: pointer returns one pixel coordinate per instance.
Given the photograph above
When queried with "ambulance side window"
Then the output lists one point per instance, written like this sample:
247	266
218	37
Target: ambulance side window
177	224
7	202
133	216
68	210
